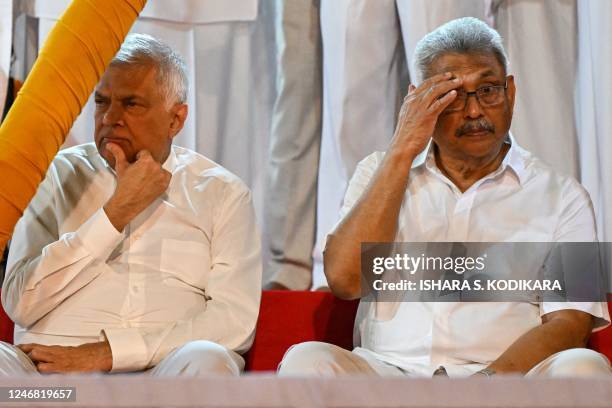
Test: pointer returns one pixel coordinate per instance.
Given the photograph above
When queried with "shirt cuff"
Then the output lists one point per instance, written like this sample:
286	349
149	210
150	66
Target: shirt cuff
99	236
599	310
129	349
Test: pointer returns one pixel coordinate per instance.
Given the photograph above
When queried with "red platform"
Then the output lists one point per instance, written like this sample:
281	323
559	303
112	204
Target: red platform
288	318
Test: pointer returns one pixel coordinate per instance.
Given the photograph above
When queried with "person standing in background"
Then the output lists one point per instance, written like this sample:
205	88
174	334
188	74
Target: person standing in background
295	140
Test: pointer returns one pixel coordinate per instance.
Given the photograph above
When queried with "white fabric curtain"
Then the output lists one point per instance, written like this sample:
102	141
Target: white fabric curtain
6	30
559	51
540	38
594	110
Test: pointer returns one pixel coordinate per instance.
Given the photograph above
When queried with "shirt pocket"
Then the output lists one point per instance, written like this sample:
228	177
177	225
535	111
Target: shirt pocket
406	332
185	262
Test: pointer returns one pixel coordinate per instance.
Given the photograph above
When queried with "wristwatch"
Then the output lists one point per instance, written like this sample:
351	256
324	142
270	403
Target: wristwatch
440	372
487	372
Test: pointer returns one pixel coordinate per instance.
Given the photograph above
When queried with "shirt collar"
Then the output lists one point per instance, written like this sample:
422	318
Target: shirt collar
514	158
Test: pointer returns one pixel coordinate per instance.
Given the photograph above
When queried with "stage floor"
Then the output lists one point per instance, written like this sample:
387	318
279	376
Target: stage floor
269	391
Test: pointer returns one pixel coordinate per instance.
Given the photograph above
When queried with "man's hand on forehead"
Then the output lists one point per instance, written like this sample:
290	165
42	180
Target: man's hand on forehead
420	110
438	85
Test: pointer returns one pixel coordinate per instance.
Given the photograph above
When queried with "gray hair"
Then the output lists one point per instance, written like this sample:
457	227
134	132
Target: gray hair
144	50
466	35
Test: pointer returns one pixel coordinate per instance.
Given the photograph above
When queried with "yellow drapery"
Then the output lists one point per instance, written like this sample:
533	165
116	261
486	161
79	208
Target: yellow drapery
73	59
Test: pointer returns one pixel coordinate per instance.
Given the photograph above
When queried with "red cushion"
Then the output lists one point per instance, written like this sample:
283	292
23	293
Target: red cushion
287	318
6	327
602	340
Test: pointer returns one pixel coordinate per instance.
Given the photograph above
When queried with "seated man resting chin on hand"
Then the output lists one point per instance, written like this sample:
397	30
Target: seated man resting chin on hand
453	173
134	254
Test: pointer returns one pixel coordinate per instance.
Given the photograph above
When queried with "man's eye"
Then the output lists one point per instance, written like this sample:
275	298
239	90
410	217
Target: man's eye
100	101
486	90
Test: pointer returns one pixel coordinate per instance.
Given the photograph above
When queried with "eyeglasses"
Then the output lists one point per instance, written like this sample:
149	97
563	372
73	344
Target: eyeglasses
487	96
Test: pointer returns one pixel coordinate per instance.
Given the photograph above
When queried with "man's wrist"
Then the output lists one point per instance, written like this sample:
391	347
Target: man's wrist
115	215
400	159
106	356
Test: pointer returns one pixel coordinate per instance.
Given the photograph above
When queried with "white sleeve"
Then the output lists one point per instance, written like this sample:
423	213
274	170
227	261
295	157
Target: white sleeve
359	182
43	269
577	224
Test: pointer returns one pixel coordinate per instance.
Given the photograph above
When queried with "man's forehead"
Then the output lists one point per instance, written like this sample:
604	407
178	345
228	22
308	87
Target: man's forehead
136	80
472	66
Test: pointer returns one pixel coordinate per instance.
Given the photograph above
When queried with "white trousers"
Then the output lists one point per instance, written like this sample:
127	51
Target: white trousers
323	359
194	359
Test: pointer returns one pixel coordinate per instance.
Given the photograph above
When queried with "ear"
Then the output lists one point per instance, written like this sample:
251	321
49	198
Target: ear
179	115
511	93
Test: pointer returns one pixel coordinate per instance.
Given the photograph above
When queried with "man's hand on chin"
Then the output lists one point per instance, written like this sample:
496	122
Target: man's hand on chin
89	357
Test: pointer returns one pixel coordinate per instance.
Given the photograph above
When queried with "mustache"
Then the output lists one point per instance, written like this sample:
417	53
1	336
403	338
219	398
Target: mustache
479	125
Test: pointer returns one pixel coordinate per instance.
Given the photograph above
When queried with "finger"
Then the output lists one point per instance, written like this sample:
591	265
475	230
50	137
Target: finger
47	368
441	103
121	162
445	76
26	348
41	355
411	88
440	89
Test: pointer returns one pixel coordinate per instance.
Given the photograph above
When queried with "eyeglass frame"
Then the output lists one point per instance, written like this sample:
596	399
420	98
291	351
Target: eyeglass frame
475	93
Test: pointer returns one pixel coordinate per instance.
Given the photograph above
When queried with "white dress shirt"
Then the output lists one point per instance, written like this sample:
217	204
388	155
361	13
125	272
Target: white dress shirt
524	200
186	268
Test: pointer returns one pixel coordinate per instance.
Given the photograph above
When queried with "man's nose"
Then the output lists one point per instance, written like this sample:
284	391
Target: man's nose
113	115
472	109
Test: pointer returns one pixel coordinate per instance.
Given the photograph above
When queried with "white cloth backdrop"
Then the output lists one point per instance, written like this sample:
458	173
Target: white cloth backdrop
559	50
6	29
594	108
541	41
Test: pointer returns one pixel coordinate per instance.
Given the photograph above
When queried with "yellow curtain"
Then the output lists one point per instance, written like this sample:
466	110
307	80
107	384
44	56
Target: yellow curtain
74	57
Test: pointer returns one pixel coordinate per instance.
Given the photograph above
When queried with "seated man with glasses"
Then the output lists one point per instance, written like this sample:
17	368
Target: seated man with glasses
453	173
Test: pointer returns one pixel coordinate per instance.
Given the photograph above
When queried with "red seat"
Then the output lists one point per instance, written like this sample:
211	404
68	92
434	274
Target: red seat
6	327
288	318
602	340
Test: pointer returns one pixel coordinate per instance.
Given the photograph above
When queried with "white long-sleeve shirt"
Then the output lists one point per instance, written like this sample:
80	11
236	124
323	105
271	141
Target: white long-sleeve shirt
524	200
186	268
